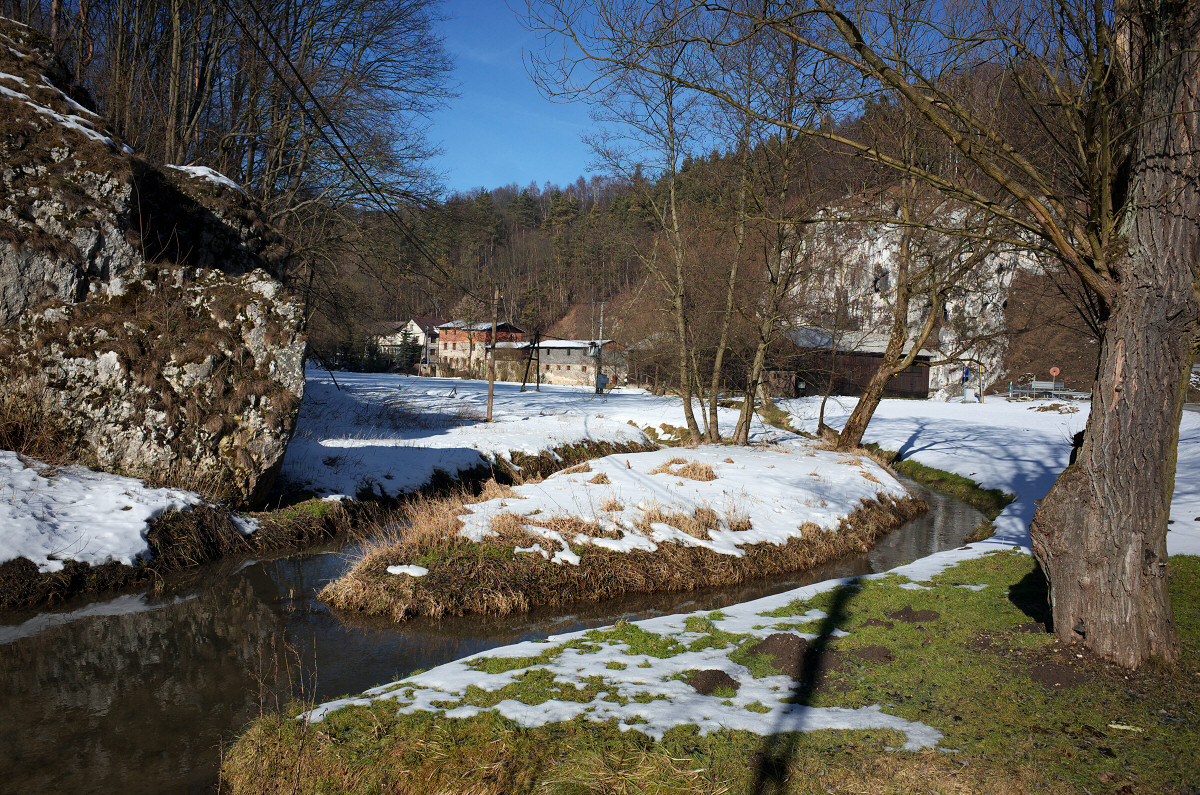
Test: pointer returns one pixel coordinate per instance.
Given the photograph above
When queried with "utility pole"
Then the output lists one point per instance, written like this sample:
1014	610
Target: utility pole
492	358
529	359
600	353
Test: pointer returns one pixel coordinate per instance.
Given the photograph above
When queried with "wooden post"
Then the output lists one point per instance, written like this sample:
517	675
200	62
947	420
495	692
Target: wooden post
529	360
492	358
600	353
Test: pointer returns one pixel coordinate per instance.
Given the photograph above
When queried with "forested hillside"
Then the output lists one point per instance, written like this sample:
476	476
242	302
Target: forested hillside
705	235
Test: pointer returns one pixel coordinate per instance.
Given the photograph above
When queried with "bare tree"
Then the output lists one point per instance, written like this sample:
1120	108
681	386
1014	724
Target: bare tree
1115	87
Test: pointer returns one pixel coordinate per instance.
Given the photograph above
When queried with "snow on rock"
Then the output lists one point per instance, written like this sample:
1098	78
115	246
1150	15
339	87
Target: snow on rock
389	433
50	515
208	175
757	495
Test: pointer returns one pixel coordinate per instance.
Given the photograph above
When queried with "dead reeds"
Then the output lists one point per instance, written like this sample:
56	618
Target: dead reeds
682	468
490	578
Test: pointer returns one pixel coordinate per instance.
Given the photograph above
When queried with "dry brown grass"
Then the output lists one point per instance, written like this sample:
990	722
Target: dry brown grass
578	469
611	505
467	577
698	524
567	525
610	773
737	519
600	479
682	468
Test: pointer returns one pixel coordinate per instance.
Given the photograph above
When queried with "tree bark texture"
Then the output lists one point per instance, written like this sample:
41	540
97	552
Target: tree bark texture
1100	533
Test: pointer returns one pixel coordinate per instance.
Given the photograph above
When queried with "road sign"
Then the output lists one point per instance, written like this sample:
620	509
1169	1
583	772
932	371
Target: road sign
1054	371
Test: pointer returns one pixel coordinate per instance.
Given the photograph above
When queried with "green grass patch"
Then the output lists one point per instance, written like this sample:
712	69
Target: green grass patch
639	641
975	672
989	502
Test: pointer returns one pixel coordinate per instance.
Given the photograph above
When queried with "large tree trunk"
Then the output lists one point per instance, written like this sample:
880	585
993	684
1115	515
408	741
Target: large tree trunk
1100	534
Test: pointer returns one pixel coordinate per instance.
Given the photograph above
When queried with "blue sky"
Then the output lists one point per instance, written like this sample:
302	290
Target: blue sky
500	129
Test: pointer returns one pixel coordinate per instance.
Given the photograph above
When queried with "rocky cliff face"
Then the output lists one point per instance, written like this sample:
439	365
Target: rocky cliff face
144	326
858	288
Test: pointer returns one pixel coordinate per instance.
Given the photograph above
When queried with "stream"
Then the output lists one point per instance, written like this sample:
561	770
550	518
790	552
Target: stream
138	695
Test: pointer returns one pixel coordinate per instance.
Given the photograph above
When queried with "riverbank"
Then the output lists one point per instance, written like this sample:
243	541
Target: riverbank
950	653
363	448
946	659
669	520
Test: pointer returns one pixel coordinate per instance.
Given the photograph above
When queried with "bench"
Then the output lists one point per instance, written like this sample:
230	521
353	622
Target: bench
1047	389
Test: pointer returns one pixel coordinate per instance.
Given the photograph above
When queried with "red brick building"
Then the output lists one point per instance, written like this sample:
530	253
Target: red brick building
463	346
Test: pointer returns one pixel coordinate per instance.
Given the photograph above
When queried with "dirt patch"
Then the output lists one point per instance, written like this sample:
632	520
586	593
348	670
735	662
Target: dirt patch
873	654
708	681
1055	675
910	616
1031	627
794	656
878	622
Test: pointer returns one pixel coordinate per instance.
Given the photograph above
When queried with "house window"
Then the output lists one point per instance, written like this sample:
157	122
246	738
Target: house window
558	367
454	346
568	367
547	367
584	368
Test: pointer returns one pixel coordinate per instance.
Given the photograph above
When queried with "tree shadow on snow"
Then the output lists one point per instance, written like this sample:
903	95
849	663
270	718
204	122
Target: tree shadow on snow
773	760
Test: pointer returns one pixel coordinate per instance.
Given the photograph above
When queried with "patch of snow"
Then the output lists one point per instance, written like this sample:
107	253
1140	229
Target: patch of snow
775	490
209	175
51	515
674	702
245	524
411	571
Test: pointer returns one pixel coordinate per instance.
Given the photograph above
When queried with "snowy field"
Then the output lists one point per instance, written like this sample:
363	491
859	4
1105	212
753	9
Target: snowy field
745	496
388	433
1018	447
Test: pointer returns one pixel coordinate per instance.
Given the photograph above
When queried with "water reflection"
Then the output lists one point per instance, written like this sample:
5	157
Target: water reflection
101	699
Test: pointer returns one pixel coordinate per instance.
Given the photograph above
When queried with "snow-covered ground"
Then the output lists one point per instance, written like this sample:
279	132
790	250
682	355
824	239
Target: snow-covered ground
1020	447
753	495
1017	447
388	433
51	515
646	691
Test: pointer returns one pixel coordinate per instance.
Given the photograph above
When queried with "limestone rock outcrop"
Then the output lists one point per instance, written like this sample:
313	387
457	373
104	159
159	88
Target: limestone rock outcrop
145	323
